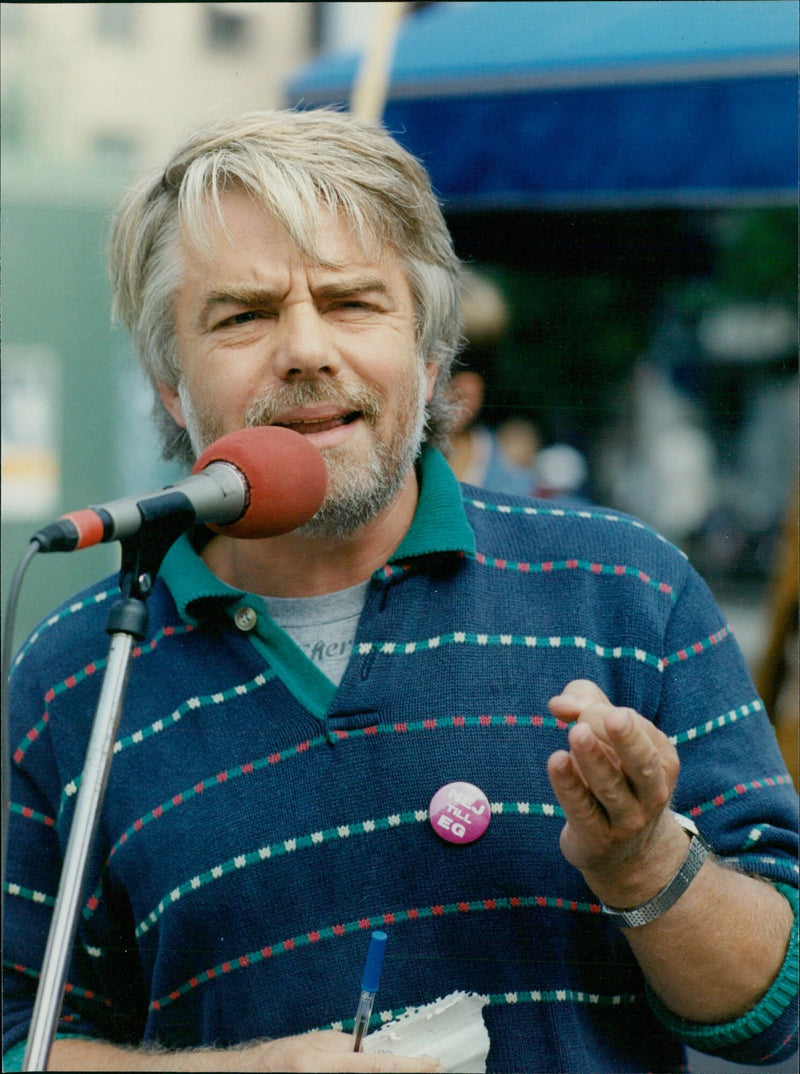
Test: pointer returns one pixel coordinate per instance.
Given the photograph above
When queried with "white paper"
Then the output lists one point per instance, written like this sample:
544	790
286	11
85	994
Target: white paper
451	1030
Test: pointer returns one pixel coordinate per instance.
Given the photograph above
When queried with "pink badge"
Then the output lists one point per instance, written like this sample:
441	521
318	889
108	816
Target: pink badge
460	812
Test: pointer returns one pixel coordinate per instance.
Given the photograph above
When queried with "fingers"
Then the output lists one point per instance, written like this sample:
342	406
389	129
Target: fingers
625	776
402	1064
383	1063
649	760
629	741
574	698
617	776
584	702
574	795
330	1052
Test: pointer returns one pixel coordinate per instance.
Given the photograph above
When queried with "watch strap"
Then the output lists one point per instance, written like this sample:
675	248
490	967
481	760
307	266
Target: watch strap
642	915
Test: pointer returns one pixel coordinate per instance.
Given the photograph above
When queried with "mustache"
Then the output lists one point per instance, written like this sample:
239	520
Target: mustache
275	401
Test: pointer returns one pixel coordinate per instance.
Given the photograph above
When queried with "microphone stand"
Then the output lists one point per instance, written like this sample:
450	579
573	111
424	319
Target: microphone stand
142	555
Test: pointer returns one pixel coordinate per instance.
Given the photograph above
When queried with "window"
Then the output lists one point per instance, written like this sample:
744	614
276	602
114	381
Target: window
114	149
115	22
12	19
12	116
226	29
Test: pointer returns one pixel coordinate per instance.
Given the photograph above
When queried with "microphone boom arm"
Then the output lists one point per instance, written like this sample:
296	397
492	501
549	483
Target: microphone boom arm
216	494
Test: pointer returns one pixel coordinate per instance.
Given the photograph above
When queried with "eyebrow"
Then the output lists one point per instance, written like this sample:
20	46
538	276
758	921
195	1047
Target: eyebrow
357	285
235	296
258	296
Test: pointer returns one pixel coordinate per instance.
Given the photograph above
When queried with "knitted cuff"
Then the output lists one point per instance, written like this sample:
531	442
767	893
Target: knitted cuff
13	1058
782	992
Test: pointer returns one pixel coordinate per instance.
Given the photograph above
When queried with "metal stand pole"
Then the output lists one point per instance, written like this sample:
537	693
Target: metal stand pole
142	555
84	827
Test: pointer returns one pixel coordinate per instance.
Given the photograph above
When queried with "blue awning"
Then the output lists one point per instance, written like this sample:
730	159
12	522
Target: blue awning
591	104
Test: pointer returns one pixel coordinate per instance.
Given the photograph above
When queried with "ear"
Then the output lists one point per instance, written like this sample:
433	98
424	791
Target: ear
431	373
172	403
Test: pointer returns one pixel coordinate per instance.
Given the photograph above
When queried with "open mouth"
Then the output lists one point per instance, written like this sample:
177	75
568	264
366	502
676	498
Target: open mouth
320	425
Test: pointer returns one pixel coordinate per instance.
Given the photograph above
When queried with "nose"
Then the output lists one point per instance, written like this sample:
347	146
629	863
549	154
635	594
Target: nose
304	348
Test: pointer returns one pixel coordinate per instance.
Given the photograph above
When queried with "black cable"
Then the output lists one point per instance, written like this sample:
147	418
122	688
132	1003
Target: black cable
5	667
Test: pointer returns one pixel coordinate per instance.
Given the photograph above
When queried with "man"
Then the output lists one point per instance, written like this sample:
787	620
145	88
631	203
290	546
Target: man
301	699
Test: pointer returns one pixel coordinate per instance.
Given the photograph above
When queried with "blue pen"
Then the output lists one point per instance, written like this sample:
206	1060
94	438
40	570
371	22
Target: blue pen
369	986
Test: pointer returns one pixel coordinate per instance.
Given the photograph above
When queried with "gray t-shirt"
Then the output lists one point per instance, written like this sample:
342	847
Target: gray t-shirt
324	627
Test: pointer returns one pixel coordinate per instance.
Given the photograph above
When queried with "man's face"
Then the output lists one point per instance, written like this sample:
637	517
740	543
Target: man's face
265	338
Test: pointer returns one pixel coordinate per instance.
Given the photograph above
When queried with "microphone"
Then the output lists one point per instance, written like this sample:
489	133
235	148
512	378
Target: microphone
255	482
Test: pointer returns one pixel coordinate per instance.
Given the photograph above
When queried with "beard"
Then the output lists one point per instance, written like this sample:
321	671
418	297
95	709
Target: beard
360	484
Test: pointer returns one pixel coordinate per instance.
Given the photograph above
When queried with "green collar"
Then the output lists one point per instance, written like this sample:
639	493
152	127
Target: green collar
439	526
440	523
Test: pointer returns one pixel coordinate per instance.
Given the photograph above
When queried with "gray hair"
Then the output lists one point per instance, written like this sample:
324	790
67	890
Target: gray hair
292	163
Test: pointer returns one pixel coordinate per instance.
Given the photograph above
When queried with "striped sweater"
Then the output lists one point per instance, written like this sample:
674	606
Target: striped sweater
259	821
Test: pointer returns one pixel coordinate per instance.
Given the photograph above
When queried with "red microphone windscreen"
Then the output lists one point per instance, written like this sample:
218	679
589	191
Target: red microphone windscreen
285	475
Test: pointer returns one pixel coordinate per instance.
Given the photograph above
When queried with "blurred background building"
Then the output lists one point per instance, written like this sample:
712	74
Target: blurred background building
114	86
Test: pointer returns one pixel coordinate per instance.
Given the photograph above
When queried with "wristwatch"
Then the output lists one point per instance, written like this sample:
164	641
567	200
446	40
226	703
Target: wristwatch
642	915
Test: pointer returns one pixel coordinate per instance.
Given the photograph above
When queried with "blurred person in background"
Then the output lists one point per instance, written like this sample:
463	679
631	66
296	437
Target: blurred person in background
509	458
476	453
634	889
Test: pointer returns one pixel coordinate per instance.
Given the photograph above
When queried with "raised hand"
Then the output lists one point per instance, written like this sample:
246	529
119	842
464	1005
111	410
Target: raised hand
614	784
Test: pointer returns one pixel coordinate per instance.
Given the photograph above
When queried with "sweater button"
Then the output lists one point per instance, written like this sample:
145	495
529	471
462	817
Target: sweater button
245	618
459	812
